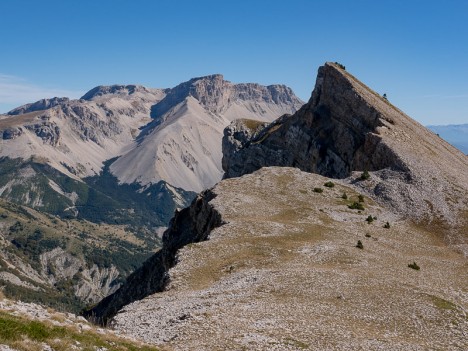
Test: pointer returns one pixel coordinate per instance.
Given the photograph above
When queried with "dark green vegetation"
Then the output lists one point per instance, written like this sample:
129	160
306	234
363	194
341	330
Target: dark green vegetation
369	219
100	199
60	297
359	245
414	266
318	190
340	65
329	184
344	196
24	334
98	221
356	206
26	234
365	175
387	225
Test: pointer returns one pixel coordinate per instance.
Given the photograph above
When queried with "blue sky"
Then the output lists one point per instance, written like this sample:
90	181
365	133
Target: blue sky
414	51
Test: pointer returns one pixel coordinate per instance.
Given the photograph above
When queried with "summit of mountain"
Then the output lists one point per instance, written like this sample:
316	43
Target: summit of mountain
118	91
170	148
345	128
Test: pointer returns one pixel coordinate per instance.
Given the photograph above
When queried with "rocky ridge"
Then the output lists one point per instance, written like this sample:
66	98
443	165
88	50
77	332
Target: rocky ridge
346	127
190	225
284	273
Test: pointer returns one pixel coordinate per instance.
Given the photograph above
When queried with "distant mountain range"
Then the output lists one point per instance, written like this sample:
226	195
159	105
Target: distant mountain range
455	134
119	160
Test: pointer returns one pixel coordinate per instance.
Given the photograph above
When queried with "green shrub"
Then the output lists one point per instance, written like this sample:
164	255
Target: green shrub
359	245
387	225
356	206
344	196
369	219
414	266
340	65
329	184
17	227
361	198
318	190
365	175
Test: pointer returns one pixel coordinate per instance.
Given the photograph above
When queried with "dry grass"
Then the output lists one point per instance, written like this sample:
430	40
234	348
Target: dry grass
252	124
24	334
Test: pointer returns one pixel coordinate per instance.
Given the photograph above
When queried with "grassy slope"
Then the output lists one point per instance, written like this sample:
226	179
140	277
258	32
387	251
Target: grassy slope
25	334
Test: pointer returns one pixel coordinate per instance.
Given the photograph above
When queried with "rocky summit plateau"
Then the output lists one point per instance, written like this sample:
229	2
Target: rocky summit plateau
343	226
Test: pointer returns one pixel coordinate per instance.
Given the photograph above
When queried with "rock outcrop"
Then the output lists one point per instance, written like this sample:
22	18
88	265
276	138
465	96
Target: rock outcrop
346	127
191	225
40	105
217	95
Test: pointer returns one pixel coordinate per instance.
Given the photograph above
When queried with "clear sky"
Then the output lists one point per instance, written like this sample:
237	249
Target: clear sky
415	51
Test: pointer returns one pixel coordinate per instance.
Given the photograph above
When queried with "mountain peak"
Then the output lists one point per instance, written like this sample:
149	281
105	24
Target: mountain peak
113	89
347	127
216	94
211	77
39	105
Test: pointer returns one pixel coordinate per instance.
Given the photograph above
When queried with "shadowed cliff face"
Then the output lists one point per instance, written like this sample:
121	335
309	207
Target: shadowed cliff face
192	224
335	133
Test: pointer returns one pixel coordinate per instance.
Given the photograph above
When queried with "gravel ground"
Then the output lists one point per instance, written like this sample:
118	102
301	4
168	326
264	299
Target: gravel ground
284	273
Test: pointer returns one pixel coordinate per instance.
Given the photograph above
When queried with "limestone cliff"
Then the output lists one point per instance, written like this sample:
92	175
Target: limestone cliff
346	127
190	225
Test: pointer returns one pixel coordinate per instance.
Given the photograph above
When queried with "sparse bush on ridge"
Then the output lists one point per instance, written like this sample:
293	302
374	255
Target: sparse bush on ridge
414	266
387	225
340	65
356	206
329	184
361	198
318	190
369	219
365	175
344	196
